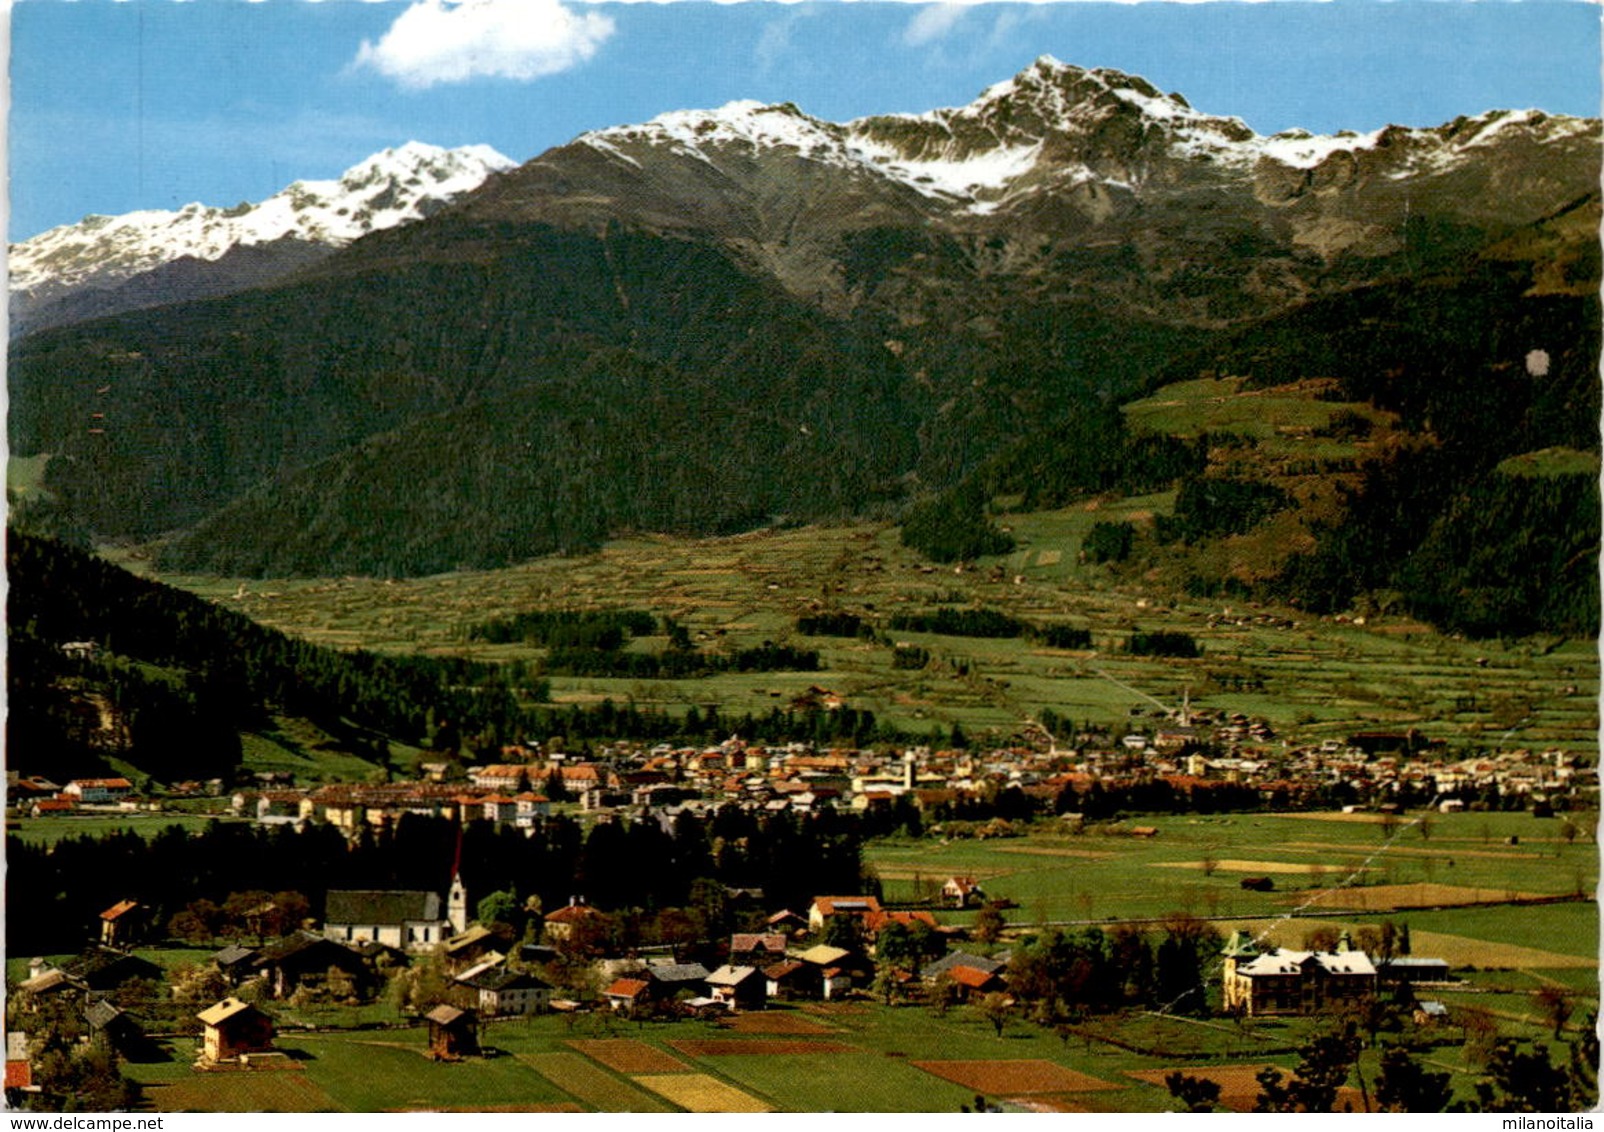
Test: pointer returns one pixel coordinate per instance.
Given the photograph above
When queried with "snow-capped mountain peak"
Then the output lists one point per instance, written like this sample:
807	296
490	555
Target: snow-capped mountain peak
392	187
1051	127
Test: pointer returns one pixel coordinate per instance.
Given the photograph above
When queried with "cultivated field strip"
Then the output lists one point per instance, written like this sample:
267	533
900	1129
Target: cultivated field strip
592	1086
626	1055
1005	1078
698	1092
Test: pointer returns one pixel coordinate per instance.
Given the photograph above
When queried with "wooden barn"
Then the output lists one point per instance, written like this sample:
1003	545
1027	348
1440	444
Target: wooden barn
453	1033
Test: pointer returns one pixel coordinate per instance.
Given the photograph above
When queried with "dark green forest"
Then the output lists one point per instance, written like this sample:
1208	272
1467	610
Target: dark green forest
188	676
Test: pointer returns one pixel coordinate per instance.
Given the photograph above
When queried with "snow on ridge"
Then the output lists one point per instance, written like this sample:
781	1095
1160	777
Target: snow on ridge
1300	149
962	177
381	191
746	120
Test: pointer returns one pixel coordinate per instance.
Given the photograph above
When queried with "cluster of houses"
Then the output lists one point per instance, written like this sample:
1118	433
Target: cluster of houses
1189	750
797	777
367	935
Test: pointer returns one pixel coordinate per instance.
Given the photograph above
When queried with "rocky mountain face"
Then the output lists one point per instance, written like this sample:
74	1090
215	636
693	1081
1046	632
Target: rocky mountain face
719	319
1092	178
106	264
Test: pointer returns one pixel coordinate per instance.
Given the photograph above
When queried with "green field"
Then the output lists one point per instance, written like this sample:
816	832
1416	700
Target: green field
49	830
872	1067
1106	874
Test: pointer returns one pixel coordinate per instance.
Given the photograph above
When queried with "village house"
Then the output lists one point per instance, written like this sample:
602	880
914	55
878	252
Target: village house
625	996
933	970
502	993
470	948
562	925
669	980
792	979
529	806
756	949
836	968
824	908
118	1029
962	892
876	922
742	988
232	1029
968	983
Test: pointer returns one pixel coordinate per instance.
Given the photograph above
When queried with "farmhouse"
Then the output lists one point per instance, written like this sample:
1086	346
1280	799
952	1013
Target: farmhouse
1294	982
306	959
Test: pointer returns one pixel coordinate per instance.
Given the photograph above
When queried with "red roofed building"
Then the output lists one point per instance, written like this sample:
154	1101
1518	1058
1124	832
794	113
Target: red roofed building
625	995
122	923
99	790
19	1074
876	922
561	924
826	907
970	981
506	776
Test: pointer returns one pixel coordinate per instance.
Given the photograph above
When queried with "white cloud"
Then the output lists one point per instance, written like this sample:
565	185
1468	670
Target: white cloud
452	41
932	23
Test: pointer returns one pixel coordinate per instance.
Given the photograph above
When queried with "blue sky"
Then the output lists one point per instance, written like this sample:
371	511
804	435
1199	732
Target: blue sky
125	104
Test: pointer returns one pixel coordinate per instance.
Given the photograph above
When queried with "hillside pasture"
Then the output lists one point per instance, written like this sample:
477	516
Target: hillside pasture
1312	677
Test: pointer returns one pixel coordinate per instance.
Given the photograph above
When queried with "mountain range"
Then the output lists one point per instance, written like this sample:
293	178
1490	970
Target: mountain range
107	264
721	319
